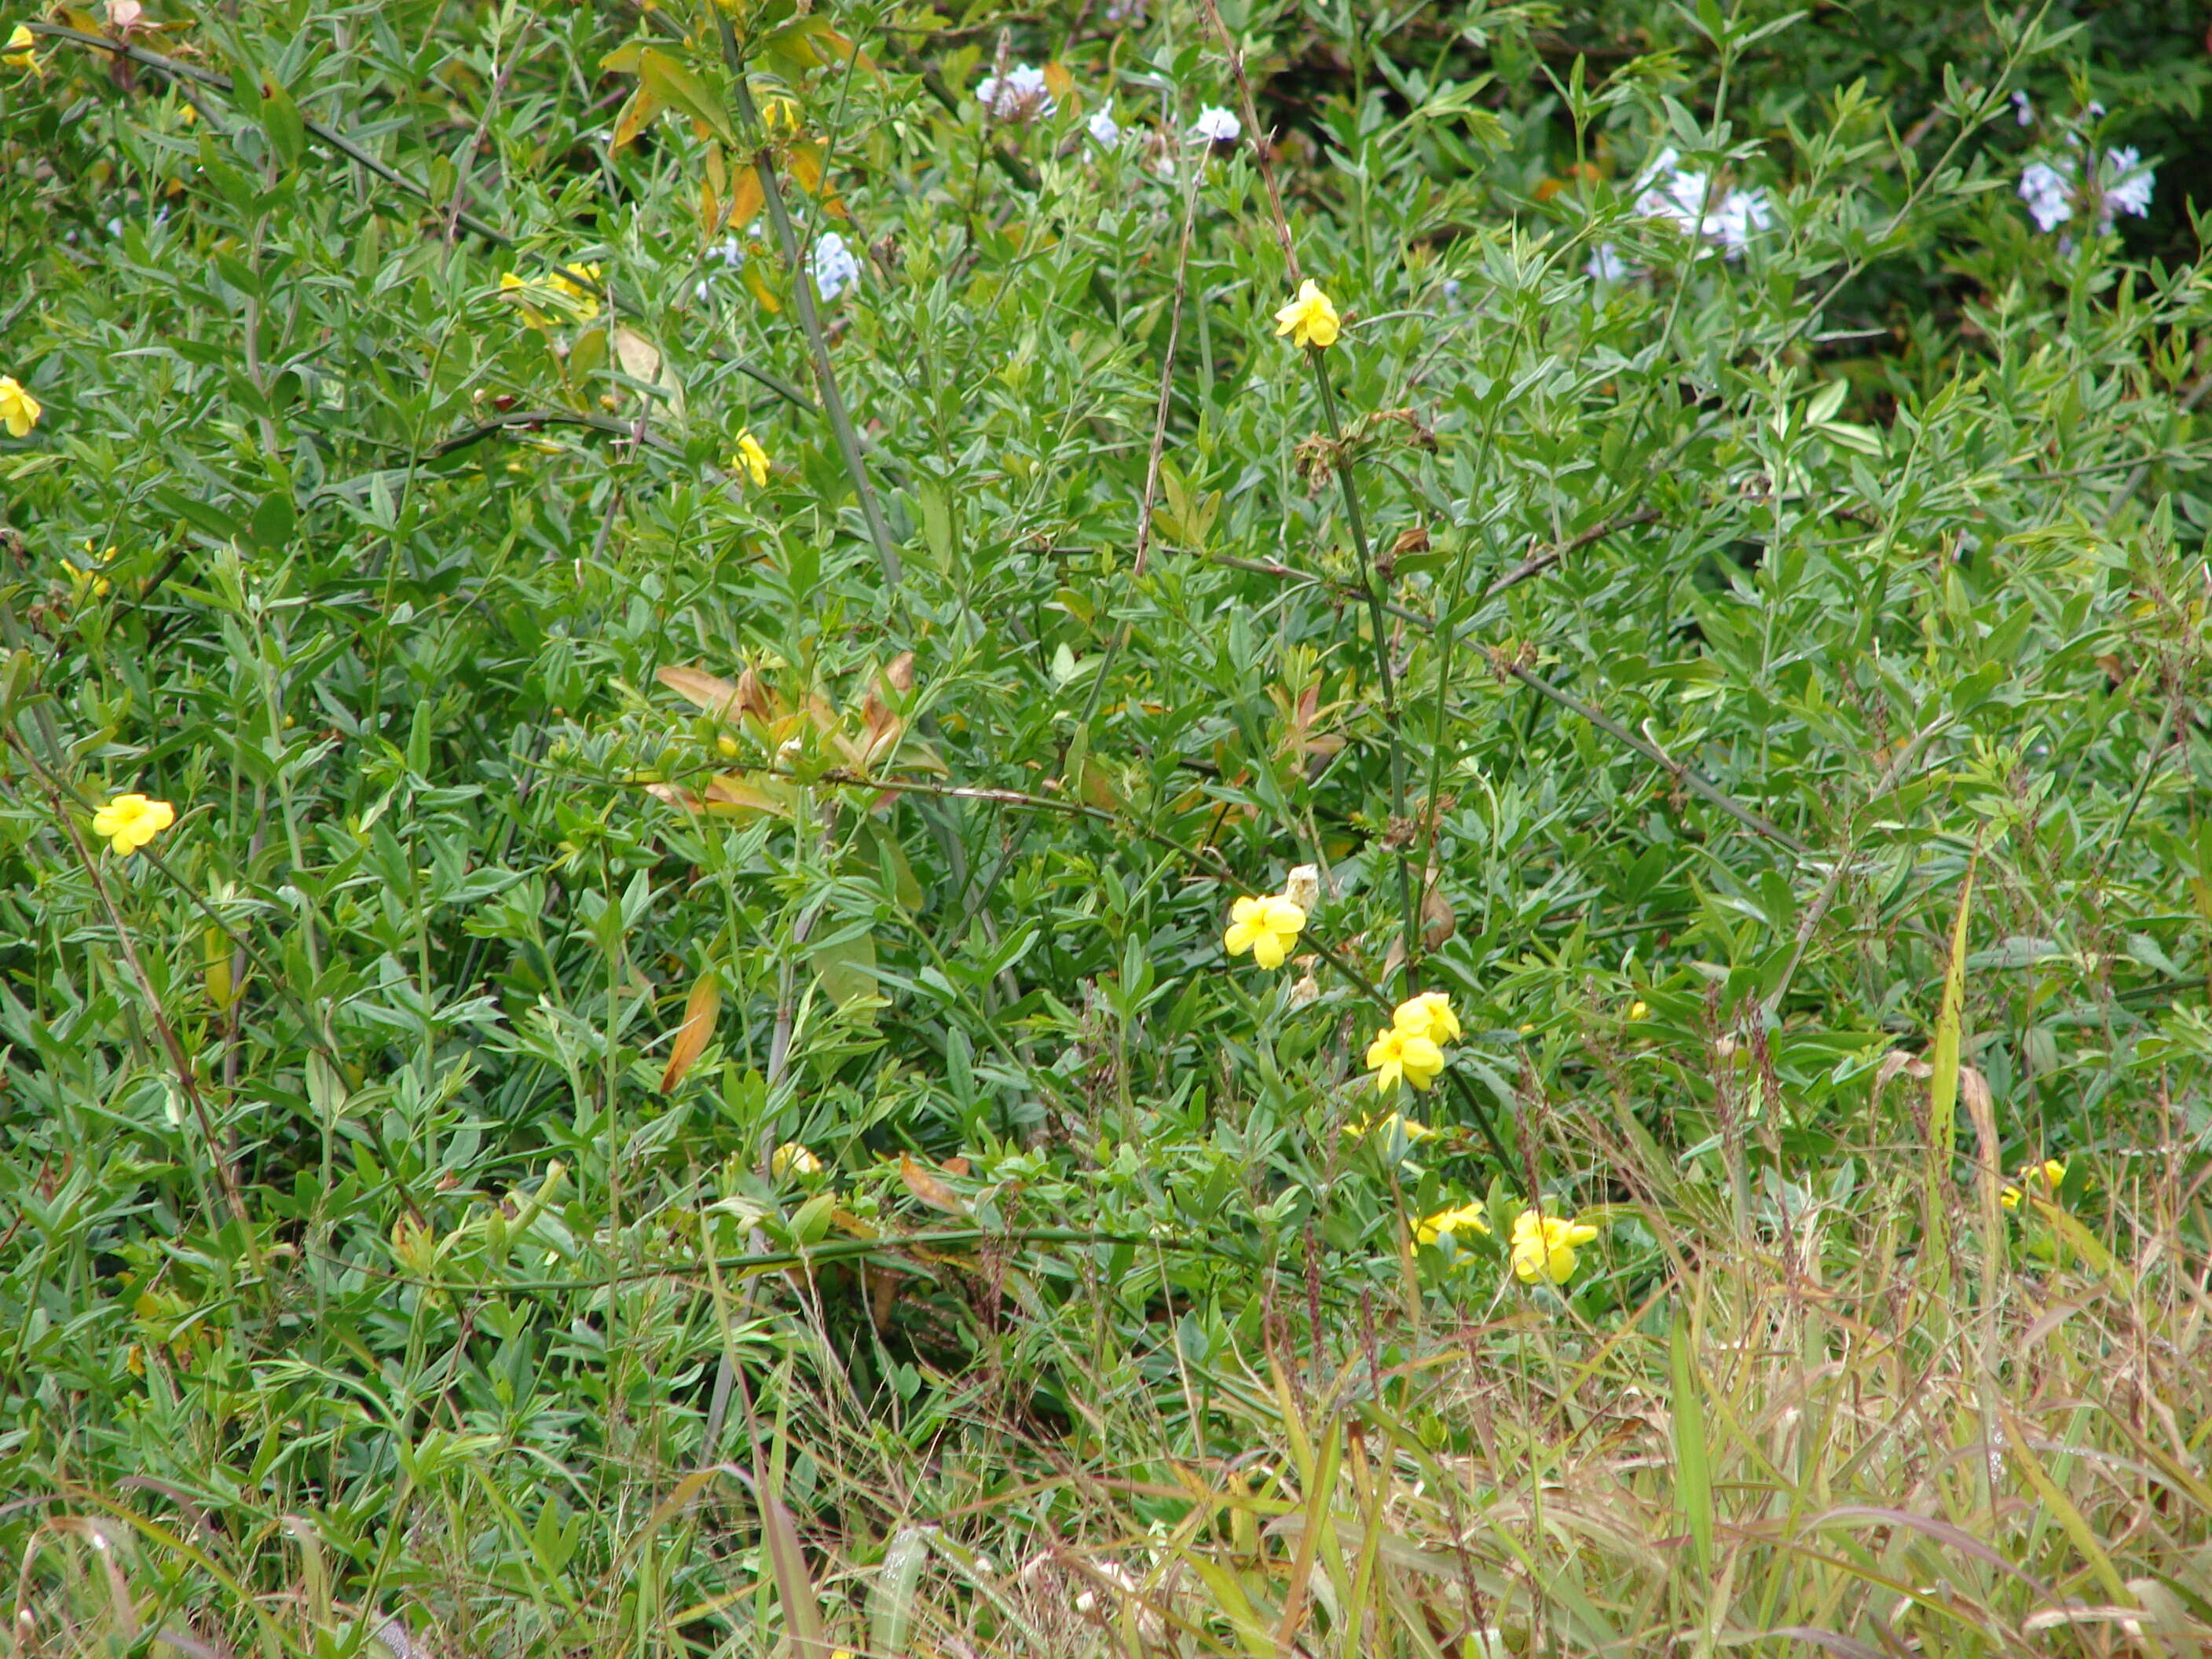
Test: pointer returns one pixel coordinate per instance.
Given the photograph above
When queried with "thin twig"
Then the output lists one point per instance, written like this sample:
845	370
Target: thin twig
1536	563
1252	131
833	401
1696	783
1120	640
837	777
1683	774
330	135
347	147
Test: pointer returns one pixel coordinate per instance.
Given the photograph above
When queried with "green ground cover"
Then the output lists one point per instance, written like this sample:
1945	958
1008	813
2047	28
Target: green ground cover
1134	827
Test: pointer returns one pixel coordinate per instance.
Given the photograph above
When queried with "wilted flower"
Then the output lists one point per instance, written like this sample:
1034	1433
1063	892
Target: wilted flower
2045	1179
751	458
1104	129
1217	126
131	821
1302	887
19	410
834	267
1310	319
1264	926
1015	95
1397	1053
1467	1217
792	1158
1544	1247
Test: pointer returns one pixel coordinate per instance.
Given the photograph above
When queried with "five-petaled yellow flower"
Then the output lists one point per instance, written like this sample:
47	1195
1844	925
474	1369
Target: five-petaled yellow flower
750	459
1310	319
1544	1247
19	54
18	408
1264	926
792	1158
1398	1053
1468	1217
131	821
1428	1015
2049	1175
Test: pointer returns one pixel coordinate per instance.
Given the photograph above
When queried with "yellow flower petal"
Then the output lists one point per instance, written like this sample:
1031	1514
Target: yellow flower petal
19	410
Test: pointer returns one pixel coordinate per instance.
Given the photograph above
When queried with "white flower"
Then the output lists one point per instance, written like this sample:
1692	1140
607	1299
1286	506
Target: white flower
1020	95
731	251
1678	194
1606	264
1740	212
2023	110
2127	184
1104	129
834	267
2049	194
1217	126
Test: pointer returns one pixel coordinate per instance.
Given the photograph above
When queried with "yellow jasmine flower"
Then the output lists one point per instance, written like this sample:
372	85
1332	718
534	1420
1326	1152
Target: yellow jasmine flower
1310	319
1428	1015
584	302
18	55
792	1158
750	458
1639	1009
1544	1247
1397	1053
18	408
513	287
2050	1174
1468	1217
1369	1126
1264	926
558	290
131	821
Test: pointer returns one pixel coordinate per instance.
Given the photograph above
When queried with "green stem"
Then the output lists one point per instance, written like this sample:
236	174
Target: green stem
1371	580
833	402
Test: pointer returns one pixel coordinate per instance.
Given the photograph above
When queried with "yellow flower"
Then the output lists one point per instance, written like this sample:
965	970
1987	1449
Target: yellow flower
18	408
1370	1126
1639	1009
2050	1175
750	458
792	1158
1467	1216
19	54
1264	926
1428	1015
1544	1247
556	290
1310	319
131	821
585	302
1396	1053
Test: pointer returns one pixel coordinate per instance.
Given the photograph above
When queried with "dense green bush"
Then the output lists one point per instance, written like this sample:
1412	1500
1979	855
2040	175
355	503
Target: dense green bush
660	663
